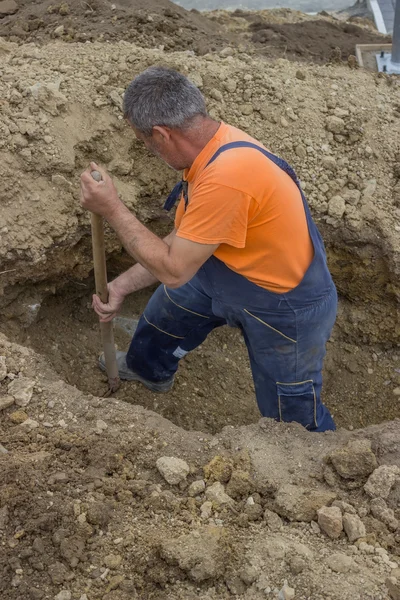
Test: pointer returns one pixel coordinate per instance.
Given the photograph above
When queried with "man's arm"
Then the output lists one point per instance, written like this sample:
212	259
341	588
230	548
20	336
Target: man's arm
138	277
134	279
173	264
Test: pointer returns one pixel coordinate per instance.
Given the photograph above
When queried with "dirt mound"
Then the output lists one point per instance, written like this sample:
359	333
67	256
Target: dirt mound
297	36
148	23
94	504
311	40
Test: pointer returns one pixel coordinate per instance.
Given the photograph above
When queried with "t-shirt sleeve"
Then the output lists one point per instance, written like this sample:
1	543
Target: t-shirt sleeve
216	214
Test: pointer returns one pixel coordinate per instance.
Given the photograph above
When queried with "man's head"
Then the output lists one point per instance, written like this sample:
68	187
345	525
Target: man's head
165	109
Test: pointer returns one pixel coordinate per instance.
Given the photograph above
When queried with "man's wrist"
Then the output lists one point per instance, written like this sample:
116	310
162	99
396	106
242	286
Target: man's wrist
123	285
115	211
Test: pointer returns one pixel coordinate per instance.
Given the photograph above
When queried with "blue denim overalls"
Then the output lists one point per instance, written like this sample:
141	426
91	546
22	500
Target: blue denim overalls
285	333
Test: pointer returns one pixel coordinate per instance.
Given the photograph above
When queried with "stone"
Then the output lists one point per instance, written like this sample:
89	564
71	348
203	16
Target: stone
174	470
299	504
6	402
383	513
206	510
249	574
336	207
217	495
218	469
21	389
18	417
8	7
99	514
240	484
335	124
30	424
345	507
330	521
58	573
286	593
352	197
196	488
341	563
369	189
393	586
273	521
300	75
63	595
201	554
353	527
235	585
381	481
297	564
113	561
246	109
254	511
301	151
227	51
59	31
230	85
354	460
3	368
116	99
216	95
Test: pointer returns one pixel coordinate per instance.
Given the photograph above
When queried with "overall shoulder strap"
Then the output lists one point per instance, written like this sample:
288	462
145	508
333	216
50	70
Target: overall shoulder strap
183	185
282	164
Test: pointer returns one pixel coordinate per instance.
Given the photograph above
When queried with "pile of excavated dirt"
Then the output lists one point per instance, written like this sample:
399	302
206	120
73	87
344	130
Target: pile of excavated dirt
285	33
105	501
148	23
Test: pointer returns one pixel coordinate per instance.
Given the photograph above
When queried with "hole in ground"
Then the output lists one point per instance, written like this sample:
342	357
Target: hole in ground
213	387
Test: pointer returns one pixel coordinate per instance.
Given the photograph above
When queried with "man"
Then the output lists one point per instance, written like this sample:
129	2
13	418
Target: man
244	252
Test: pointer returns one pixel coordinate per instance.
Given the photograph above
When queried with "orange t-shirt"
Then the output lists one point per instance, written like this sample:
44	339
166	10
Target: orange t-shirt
252	208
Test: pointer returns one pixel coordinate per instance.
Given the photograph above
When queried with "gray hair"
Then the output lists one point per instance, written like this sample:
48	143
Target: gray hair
162	96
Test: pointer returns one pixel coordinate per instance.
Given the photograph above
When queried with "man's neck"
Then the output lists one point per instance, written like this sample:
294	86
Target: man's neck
197	138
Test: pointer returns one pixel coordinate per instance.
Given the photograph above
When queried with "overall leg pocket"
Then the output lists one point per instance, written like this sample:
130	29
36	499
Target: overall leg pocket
298	402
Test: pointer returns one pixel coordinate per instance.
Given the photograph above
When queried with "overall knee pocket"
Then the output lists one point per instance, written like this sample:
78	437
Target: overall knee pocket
298	402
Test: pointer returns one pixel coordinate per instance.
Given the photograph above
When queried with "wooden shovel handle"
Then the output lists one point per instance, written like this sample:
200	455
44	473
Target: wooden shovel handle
100	277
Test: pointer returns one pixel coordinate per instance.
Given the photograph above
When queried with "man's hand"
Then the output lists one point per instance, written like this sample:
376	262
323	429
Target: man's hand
108	311
100	197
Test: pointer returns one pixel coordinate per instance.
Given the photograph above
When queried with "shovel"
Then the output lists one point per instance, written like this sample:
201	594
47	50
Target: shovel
100	277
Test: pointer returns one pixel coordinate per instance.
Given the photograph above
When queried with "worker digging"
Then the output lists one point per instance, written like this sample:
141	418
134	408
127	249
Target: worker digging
244	252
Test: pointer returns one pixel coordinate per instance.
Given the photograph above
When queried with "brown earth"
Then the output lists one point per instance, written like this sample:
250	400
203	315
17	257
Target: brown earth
148	23
296	36
85	512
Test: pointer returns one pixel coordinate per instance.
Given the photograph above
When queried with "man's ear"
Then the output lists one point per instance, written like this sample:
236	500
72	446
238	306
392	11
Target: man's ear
163	132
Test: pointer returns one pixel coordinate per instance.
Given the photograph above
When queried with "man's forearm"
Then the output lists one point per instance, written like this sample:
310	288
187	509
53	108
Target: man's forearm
138	277
145	247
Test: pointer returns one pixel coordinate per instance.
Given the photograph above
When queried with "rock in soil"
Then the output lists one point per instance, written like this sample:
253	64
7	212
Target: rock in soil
174	470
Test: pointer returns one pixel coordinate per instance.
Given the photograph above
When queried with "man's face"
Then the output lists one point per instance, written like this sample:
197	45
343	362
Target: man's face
162	147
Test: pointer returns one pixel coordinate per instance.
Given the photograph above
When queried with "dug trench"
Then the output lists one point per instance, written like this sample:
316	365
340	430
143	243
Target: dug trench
213	387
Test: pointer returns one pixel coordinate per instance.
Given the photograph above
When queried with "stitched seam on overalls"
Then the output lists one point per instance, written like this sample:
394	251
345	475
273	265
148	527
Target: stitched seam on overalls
315	406
182	307
270	326
178	337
